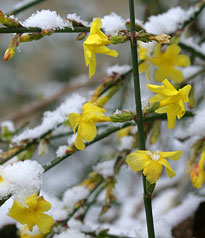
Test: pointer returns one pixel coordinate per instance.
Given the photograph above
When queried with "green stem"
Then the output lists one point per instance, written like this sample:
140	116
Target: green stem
37	29
147	199
24	7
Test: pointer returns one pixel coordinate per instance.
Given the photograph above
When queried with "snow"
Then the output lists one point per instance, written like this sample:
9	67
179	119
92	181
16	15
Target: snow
73	195
106	168
113	23
119	69
126	143
169	21
71	233
52	119
191	41
197	127
184	210
9	125
61	151
46	20
77	18
4	218
21	179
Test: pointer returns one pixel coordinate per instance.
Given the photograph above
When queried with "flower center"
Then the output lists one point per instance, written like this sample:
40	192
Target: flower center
155	156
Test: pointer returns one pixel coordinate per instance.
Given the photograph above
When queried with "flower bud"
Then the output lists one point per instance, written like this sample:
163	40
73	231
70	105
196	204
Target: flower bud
81	36
122	117
118	39
161	39
154	106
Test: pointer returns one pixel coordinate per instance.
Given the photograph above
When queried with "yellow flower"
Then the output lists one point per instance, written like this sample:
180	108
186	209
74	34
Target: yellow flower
151	163
198	174
145	65
85	122
33	213
167	61
171	100
95	43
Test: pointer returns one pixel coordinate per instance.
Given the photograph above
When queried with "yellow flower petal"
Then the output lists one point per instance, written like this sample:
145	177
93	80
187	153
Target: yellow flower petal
88	130
181	110
161	74
138	161
172	51
79	144
106	51
182	60
176	75
185	92
74	120
173	155
169	170
157	98
44	222
152	171
43	205
171	116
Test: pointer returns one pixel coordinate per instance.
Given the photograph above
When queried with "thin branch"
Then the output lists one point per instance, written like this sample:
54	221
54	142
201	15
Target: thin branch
23	7
140	124
37	105
192	50
36	29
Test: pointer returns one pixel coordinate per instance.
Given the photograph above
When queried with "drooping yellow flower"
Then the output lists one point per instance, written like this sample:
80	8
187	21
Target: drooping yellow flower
144	66
171	100
85	122
95	43
151	163
167	61
33	213
198	174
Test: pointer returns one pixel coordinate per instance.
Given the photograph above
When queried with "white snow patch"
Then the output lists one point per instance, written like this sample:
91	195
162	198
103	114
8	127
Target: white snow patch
197	127
71	233
9	125
113	23
61	151
73	195
46	20
169	21
119	69
77	18
52	119
191	41
21	179
126	143
106	168
184	210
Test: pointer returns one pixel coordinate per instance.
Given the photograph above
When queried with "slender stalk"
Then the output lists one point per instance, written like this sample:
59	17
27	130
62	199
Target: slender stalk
36	29
23	7
147	199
